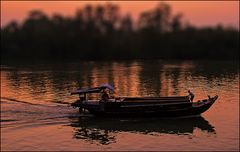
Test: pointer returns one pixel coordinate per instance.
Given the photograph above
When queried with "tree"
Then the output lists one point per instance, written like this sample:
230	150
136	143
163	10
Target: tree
157	19
127	23
176	24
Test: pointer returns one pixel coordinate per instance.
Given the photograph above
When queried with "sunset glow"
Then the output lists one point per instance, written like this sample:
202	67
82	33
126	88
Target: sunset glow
205	13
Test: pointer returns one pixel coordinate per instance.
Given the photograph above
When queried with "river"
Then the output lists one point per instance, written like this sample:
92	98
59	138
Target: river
35	115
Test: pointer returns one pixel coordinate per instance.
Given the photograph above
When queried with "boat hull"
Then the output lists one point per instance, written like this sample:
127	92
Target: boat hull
150	108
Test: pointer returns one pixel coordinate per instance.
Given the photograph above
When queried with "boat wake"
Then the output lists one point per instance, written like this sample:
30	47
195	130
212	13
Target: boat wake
17	113
6	99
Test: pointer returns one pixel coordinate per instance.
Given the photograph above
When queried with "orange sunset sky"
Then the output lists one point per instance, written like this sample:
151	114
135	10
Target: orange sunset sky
198	13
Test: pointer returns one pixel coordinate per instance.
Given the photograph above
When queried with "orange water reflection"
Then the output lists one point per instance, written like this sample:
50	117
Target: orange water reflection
152	78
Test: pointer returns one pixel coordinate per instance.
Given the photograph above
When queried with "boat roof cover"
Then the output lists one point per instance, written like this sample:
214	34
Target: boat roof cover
94	89
108	86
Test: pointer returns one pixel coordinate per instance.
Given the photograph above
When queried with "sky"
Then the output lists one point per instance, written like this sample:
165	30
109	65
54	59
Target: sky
198	13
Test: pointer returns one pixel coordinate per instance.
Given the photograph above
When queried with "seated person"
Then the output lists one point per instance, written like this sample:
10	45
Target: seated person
104	95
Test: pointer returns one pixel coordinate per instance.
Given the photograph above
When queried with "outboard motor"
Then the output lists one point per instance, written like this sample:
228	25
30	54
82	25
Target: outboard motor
77	104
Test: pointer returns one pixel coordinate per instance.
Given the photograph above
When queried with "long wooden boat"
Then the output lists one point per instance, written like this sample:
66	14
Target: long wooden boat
174	106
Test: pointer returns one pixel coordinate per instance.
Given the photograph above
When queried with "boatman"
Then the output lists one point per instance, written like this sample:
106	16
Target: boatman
105	95
191	95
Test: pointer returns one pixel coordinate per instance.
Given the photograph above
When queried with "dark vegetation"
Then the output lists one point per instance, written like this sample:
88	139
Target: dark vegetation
102	32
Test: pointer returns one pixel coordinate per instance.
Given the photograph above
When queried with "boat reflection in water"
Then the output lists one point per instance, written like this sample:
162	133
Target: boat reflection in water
105	130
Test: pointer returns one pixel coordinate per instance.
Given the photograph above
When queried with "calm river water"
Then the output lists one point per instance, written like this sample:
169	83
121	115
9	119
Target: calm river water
35	115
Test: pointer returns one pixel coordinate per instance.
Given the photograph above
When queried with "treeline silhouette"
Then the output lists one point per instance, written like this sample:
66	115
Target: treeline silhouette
102	32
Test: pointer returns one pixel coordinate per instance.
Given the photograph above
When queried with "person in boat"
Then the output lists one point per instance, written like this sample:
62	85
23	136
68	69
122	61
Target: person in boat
104	95
191	95
82	99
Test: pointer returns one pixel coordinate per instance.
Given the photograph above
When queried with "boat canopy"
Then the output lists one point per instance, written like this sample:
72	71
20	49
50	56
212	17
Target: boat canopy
108	86
93	90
